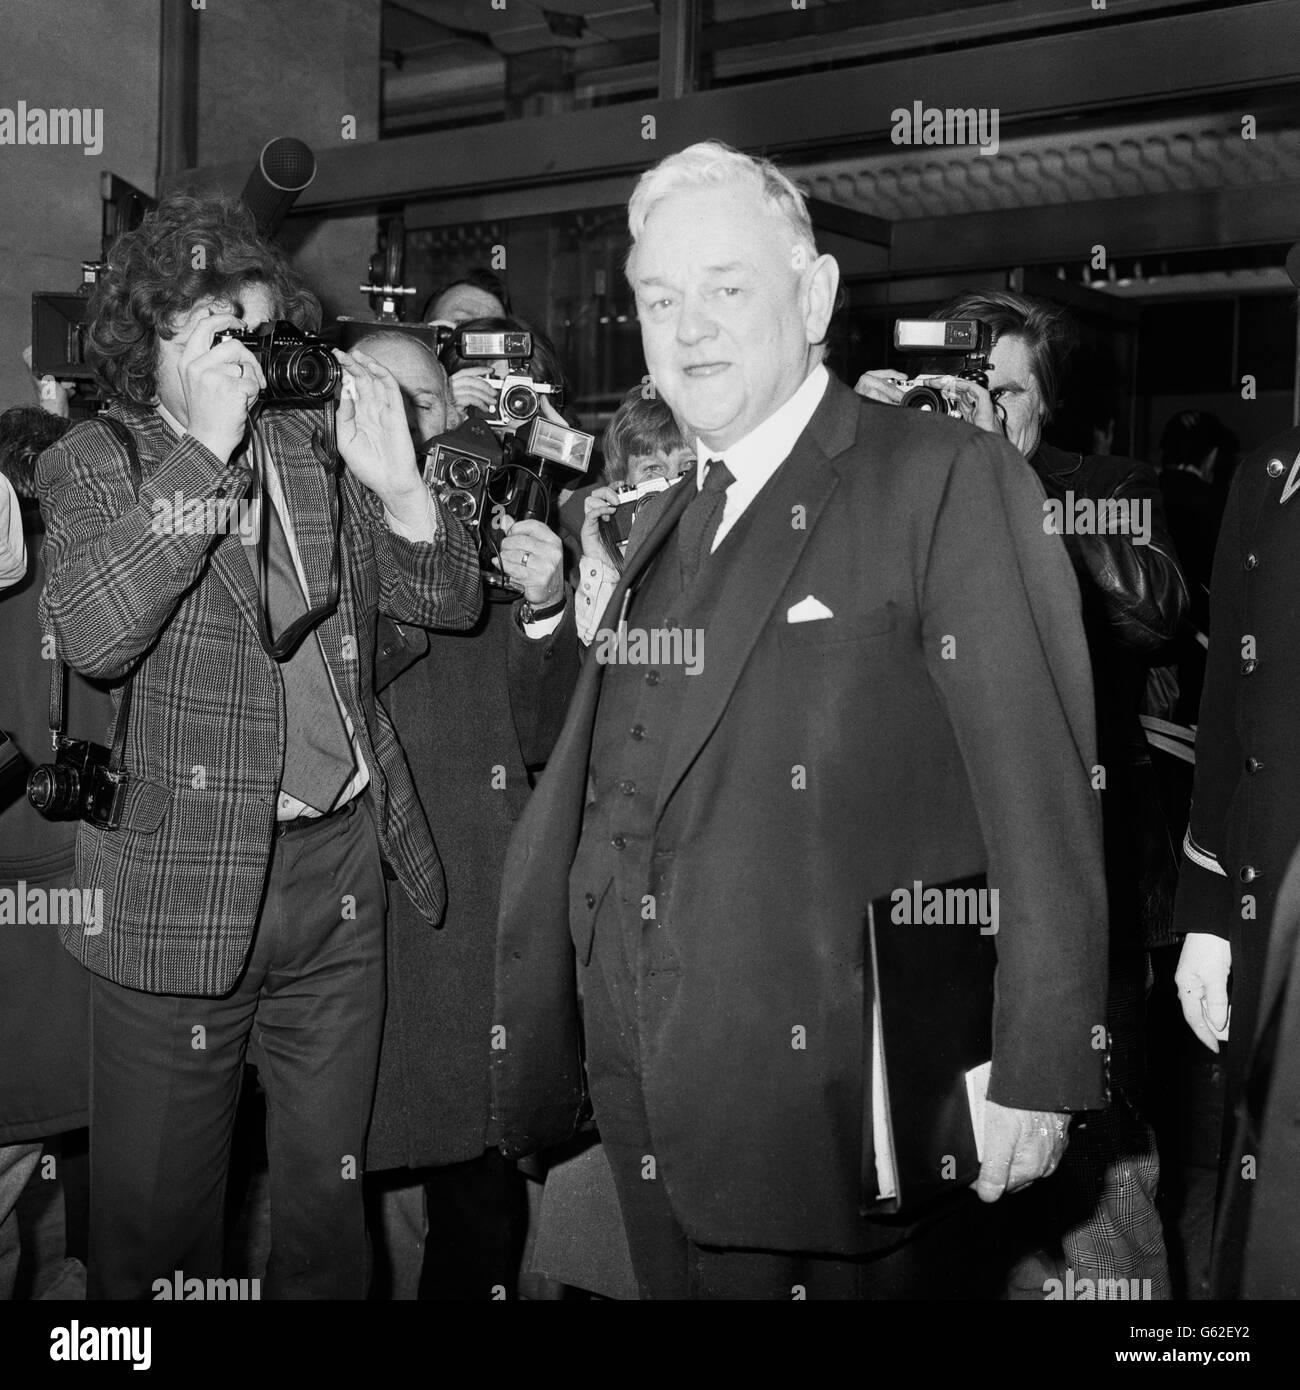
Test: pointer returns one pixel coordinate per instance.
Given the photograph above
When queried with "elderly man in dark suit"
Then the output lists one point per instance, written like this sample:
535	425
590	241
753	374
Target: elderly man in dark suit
243	888
890	683
474	714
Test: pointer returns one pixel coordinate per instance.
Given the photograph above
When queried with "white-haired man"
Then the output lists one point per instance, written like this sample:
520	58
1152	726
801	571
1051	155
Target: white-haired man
890	685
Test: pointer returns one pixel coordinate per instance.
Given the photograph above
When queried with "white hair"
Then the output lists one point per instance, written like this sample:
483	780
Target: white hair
710	164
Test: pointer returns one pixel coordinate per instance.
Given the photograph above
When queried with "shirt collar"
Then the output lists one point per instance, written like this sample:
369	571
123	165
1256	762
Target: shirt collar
169	419
768	445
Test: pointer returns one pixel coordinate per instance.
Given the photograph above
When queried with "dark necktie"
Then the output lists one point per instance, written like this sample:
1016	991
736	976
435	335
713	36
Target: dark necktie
318	761
701	519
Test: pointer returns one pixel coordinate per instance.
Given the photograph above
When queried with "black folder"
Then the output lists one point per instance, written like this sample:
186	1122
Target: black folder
935	986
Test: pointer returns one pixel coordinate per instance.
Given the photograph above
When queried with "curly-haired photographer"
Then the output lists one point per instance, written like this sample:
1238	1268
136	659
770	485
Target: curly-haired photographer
232	573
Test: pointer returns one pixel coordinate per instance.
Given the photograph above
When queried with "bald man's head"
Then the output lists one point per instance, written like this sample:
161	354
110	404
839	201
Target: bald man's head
430	410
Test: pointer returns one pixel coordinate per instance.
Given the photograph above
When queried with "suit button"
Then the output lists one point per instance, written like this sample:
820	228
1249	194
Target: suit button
1248	874
1274	468
638	732
1248	665
589	899
1251	560
619	842
1253	764
627	788
652	677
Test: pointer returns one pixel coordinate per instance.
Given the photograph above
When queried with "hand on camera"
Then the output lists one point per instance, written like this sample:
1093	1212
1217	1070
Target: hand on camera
219	383
881	385
533	558
599	502
470	386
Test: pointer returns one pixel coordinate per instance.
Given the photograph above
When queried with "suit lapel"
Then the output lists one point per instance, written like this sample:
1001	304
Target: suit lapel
754	577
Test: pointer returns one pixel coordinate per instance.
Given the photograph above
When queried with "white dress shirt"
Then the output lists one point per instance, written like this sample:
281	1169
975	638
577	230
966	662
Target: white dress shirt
763	450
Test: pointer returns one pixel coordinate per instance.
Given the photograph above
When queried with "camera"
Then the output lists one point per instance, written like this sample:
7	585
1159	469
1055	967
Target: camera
937	338
78	785
628	498
518	400
457	467
300	368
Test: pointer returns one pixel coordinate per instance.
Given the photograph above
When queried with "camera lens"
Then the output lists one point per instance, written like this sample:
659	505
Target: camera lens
309	372
924	398
461	504
463	472
53	789
520	403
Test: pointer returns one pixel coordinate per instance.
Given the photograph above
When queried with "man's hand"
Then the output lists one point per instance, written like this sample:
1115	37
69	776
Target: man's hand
471	386
532	556
374	439
1202	982
219	384
1019	1146
881	385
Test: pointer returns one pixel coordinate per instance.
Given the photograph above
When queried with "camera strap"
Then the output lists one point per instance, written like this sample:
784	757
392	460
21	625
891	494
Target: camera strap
59	671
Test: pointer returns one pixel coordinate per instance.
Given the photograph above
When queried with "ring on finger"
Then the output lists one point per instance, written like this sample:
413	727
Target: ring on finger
240	365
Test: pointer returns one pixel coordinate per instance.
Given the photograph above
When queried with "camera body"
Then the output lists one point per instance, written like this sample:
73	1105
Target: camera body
79	785
300	368
518	401
628	498
458	467
968	340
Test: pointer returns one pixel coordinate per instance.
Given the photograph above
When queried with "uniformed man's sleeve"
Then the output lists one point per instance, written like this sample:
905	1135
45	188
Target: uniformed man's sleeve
1208	894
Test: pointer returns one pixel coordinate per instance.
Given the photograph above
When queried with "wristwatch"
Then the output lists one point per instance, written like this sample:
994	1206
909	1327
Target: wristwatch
529	613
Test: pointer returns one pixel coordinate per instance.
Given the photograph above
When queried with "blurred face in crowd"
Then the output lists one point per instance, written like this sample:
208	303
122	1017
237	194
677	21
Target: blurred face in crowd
464	302
253	304
640	467
430	409
729	313
1014	387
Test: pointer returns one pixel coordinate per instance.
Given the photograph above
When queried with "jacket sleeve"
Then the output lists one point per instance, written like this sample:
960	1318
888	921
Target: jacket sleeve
114	575
1207	897
1139	587
431	583
1004	644
541	673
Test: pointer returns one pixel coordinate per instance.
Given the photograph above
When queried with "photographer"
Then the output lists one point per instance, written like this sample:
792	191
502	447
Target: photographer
475	295
474	715
1134	602
242	881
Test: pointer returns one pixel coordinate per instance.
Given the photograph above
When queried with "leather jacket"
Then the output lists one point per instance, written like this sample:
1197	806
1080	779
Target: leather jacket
1135	602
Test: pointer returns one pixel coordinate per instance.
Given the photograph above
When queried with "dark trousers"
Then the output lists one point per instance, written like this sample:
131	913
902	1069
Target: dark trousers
951	1257
166	1072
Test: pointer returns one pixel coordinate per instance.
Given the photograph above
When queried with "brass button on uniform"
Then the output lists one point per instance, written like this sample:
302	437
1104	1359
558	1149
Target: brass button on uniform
638	731
627	788
1251	560
1253	764
589	899
1274	468
652	677
1249	874
619	842
1248	665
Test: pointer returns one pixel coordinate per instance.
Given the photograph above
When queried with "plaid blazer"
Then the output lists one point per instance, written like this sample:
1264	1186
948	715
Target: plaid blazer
183	875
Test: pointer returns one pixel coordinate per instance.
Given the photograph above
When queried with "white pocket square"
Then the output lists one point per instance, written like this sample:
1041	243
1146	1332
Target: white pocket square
808	610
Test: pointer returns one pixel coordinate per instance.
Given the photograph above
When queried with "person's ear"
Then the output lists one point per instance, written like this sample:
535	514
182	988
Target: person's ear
821	281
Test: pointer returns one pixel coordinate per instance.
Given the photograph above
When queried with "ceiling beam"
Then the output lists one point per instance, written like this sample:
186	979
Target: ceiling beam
1147	225
679	27
1133	64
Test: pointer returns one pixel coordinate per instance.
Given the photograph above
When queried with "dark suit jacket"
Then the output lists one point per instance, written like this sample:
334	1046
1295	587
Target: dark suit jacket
183	874
943	722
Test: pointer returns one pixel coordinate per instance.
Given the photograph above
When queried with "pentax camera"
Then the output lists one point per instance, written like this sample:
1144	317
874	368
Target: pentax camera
78	785
300	368
968	339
